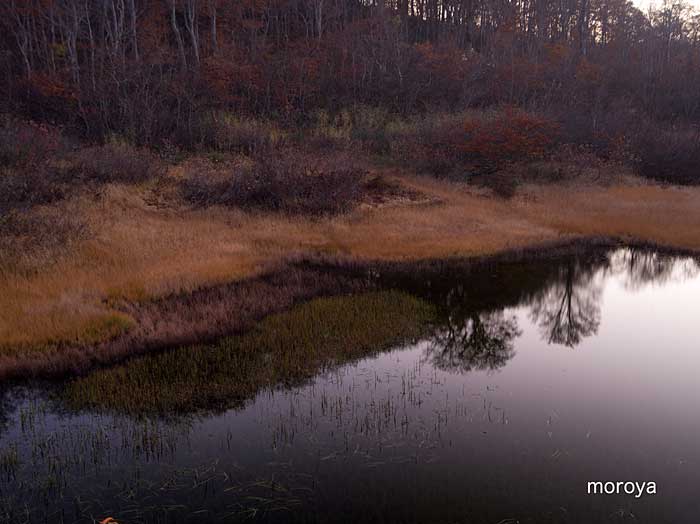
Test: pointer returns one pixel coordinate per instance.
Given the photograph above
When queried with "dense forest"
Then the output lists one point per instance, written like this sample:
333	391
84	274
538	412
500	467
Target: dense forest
157	68
599	75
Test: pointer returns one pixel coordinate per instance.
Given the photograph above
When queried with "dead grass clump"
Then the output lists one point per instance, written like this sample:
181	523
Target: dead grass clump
279	185
28	239
112	163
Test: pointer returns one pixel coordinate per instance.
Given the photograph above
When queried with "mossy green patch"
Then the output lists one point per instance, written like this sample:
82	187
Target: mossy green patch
285	349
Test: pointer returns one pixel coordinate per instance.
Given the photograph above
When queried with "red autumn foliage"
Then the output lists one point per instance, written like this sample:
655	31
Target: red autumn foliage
232	83
510	135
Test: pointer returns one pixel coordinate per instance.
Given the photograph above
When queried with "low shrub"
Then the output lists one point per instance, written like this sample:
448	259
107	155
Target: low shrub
503	184
507	136
359	126
24	188
28	153
429	144
605	133
231	133
26	144
35	180
472	142
279	185
668	155
27	176
370	128
330	131
114	162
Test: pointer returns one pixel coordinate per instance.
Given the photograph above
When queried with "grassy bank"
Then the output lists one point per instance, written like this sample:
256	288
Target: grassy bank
198	315
137	252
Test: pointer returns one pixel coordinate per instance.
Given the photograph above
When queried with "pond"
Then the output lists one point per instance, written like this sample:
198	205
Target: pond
488	395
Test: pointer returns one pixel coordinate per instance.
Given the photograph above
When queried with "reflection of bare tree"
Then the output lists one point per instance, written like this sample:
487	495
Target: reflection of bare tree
641	267
569	309
476	341
563	294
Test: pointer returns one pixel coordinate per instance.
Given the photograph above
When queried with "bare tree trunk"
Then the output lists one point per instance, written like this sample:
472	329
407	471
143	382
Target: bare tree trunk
319	18
22	33
191	24
93	47
214	35
582	28
178	36
134	39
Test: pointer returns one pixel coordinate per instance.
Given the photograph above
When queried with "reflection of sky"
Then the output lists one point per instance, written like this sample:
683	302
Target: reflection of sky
643	365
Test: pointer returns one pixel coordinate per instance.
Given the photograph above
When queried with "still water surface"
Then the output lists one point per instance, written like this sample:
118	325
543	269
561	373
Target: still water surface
585	369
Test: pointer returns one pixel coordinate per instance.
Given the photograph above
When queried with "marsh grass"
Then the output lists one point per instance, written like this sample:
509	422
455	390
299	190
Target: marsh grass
30	241
286	348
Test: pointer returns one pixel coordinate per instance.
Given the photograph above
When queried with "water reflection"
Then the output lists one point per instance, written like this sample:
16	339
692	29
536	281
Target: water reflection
479	341
567	309
422	433
641	267
563	296
474	330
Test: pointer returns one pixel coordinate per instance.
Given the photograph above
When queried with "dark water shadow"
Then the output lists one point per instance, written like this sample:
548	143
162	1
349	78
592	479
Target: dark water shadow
474	329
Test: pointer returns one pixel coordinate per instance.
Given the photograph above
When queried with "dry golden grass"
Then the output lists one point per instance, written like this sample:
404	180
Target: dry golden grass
668	216
139	251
